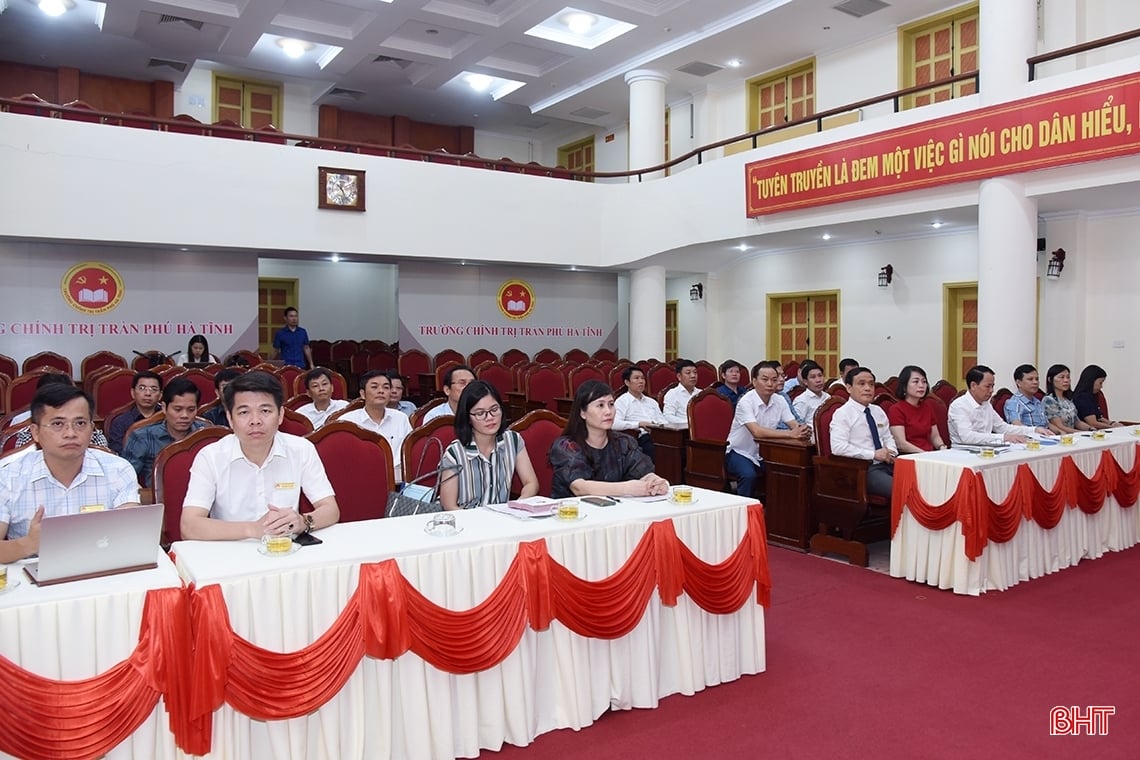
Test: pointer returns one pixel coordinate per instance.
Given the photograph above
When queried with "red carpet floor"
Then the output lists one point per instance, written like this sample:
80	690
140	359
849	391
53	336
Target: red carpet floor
863	665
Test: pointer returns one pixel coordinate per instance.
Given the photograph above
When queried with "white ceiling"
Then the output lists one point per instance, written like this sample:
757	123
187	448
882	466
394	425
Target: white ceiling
436	40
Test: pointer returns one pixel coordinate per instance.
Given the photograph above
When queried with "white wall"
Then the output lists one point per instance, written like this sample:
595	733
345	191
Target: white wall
692	323
495	146
342	300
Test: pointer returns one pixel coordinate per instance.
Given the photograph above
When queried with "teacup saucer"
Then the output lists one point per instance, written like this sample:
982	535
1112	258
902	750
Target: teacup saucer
292	548
13	582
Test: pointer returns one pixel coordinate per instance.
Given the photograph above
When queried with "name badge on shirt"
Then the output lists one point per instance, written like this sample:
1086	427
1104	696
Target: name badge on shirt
92	508
284	486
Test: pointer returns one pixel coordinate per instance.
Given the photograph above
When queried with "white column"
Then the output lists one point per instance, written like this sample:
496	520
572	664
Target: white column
704	122
647	313
1007	220
1007	277
646	119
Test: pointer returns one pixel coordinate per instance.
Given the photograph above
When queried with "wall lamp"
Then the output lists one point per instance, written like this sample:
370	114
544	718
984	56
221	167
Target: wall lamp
885	275
1056	264
697	292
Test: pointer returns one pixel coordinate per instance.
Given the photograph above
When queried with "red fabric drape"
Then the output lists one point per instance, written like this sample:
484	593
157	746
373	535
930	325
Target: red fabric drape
46	718
387	617
189	655
983	520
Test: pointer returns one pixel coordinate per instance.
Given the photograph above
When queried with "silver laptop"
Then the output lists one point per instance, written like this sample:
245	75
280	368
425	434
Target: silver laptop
93	544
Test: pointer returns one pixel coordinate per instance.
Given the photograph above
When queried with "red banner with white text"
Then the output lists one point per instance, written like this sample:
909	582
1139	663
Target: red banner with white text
1087	123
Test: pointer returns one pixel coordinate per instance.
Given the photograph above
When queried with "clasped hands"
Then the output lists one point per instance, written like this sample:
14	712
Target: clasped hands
279	521
654	485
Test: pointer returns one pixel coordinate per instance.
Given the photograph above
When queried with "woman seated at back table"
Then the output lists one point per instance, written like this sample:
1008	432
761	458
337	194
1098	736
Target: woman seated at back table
912	420
487	454
590	459
1084	398
1059	407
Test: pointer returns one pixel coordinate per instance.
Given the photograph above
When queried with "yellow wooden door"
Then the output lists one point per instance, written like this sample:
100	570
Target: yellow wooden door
578	156
960	302
251	104
941	49
671	331
805	326
273	296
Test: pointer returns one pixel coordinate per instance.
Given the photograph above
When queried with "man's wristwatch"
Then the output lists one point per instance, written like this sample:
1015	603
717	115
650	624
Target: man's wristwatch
308	517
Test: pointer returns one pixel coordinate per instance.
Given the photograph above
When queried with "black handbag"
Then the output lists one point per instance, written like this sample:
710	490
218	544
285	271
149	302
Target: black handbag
401	504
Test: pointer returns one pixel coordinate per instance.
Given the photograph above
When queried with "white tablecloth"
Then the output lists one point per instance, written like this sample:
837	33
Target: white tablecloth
938	558
82	629
554	679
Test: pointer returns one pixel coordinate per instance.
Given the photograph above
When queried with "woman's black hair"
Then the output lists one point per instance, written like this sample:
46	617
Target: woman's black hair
588	392
1055	370
1089	375
205	348
904	380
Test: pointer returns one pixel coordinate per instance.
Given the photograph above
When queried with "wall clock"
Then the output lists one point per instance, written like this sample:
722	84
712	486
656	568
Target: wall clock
341	189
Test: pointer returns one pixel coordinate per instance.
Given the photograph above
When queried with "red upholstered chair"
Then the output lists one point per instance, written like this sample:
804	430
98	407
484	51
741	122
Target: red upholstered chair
342	351
356	403
358	463
577	355
660	395
172	476
186	124
538	429
792	369
613	377
339	384
298	401
547	356
111	390
322	352
358	364
97	360
228	128
496	375
581	374
795	391
412	363
9	366
252	357
997	401
289	375
20	391
5	381
849	518
710	417
542	385
706	374
1102	404
372	345
659	377
9	436
295	423
839	391
31	105
448	355
148	360
442	369
420	454
417	417
884	400
513	356
83	112
480	355
606	355
203	381
944	390
48	359
382	360
269	134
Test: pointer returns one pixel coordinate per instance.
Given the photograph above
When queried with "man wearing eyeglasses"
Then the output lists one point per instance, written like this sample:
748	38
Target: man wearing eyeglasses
63	477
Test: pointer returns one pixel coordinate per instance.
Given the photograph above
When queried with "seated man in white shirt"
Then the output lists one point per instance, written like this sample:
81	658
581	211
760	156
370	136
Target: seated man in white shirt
454	381
972	417
757	414
845	364
676	402
633	410
319	384
249	484
860	429
63	476
396	398
813	395
378	417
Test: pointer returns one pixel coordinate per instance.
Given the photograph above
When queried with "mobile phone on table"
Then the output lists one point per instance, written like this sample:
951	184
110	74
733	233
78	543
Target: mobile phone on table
306	539
599	501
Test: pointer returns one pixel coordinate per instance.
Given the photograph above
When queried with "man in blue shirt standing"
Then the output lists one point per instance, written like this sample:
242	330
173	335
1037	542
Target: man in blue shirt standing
292	342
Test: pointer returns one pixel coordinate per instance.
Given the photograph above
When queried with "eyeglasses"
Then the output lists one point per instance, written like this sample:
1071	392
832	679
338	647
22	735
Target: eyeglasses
482	414
58	426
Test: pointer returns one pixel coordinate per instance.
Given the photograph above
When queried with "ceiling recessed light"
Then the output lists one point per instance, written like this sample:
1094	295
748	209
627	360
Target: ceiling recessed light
55	7
742	247
936	225
478	82
735	63
579	22
334	258
294	48
827	236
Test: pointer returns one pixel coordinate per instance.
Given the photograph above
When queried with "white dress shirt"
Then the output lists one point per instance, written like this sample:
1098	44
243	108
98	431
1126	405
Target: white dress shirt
318	417
851	435
233	488
805	405
628	411
394	426
750	409
437	411
977	424
677	404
